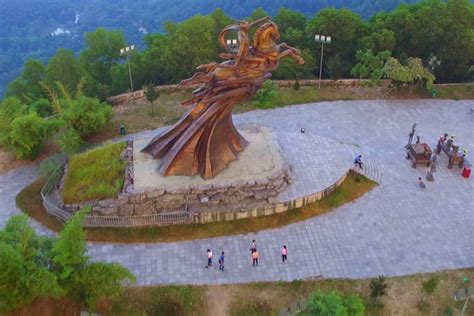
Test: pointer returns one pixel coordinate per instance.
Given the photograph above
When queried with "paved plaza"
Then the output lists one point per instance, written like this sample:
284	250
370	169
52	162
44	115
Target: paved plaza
396	229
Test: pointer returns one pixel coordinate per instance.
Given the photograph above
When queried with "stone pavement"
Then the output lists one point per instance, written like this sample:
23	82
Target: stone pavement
395	229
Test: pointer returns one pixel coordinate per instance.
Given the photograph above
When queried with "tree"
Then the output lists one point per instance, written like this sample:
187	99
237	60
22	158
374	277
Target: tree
286	19
24	275
83	281
378	287
258	14
370	65
34	266
27	86
151	94
290	69
191	43
65	68
344	27
378	41
334	303
102	51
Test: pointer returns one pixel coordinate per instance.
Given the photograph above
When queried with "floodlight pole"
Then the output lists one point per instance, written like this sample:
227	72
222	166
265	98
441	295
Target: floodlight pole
126	51
130	74
323	39
321	64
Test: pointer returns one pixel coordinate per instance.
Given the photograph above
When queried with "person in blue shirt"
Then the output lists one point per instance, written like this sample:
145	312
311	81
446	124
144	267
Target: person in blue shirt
358	161
221	262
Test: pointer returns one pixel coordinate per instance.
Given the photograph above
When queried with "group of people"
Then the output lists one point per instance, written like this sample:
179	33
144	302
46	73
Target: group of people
254	256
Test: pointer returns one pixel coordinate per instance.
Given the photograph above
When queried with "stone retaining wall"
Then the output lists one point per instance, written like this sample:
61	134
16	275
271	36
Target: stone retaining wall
209	217
197	199
139	94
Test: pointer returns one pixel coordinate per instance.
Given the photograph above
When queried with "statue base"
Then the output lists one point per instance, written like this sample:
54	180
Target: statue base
259	174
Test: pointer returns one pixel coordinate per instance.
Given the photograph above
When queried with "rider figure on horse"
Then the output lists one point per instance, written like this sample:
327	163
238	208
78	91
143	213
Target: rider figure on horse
243	37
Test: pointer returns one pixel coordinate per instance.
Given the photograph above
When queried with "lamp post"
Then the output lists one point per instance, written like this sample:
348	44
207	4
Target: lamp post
126	51
232	43
323	39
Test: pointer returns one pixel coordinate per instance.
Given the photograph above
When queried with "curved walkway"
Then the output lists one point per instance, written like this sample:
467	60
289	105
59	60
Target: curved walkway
395	229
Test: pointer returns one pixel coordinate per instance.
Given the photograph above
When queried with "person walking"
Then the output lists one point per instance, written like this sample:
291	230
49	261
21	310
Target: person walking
255	258
209	258
253	246
284	254
221	262
358	161
421	183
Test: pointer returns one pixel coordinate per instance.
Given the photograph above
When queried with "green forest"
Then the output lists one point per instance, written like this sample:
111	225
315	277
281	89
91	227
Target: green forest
439	35
37	28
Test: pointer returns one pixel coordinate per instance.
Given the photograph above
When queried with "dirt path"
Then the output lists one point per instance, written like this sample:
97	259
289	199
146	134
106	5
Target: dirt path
218	300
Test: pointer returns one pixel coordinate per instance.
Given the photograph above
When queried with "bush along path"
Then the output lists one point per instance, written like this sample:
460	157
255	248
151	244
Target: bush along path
396	229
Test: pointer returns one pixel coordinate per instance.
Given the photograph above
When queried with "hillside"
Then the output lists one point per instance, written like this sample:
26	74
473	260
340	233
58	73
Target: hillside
36	28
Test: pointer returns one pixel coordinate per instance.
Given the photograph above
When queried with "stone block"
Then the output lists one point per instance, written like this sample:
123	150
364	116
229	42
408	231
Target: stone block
105	211
125	210
155	193
175	190
138	198
107	203
144	208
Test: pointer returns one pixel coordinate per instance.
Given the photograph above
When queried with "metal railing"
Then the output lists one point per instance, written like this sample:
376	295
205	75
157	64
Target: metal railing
160	219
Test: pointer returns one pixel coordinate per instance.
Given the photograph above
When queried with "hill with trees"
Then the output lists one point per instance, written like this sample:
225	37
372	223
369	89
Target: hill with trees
37	28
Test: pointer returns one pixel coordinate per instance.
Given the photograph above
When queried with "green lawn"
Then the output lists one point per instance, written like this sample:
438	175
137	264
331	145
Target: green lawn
95	174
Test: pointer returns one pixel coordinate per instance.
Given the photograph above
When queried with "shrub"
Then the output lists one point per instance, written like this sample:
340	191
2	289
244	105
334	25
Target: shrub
42	107
10	108
70	141
29	132
87	115
428	287
378	287
334	303
296	85
265	97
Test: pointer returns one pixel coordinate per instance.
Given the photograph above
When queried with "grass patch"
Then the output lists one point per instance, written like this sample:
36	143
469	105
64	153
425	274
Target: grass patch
251	308
402	296
455	92
353	187
160	300
96	174
268	298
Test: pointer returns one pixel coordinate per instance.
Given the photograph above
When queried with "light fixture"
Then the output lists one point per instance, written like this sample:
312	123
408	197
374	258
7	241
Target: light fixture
302	130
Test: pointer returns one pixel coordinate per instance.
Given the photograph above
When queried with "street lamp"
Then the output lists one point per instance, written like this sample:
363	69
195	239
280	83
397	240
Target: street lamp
323	39
232	43
126	51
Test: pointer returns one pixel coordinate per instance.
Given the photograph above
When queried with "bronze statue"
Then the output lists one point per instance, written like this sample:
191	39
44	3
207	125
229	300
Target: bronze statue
205	140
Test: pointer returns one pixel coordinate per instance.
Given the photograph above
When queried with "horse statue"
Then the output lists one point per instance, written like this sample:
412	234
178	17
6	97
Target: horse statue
205	141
